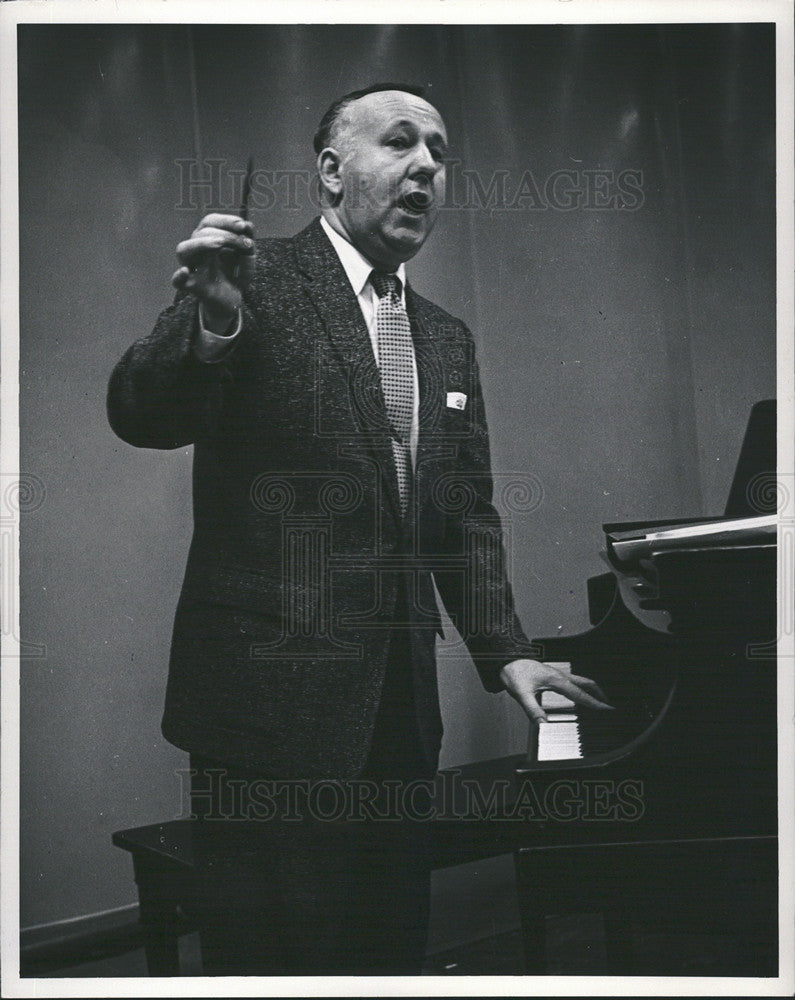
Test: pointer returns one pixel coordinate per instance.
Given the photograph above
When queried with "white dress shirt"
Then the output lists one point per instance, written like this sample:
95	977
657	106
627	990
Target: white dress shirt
211	347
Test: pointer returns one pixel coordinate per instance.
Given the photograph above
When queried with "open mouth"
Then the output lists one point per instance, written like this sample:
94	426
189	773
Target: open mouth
415	202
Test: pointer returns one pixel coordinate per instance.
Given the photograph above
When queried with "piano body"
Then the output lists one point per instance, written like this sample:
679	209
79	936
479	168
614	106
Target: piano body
662	814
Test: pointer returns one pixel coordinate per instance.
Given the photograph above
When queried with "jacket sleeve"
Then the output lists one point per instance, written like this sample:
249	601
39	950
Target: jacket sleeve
478	597
161	395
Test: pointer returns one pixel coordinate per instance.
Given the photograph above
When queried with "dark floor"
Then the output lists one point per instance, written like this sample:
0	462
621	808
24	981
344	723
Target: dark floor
500	955
574	945
493	956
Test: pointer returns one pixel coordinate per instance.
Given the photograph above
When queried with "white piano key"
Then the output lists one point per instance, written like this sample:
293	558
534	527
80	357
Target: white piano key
559	741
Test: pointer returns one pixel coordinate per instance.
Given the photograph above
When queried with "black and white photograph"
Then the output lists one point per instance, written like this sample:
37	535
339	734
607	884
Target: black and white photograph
397	499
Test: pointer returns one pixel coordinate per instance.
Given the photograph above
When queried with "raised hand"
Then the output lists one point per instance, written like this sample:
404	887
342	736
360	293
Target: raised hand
216	264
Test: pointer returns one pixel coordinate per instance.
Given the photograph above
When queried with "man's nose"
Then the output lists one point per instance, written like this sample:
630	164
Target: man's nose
425	163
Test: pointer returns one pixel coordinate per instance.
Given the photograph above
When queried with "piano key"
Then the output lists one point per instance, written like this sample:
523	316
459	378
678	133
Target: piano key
559	741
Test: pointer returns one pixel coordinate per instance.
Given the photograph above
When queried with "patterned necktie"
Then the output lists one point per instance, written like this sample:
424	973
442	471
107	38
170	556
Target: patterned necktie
395	357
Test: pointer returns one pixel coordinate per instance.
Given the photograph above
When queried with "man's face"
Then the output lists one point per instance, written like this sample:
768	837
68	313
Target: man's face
391	173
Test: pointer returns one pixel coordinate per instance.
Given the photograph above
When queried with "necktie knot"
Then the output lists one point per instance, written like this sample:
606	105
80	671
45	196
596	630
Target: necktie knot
385	283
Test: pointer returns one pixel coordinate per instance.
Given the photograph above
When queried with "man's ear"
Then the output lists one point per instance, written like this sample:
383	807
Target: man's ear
328	172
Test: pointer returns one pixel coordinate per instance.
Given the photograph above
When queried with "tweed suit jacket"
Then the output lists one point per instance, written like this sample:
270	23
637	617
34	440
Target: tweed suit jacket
282	629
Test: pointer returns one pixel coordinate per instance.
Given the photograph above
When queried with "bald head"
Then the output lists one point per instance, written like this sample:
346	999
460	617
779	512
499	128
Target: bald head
323	136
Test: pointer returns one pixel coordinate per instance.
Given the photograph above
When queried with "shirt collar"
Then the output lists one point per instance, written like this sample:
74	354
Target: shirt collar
356	266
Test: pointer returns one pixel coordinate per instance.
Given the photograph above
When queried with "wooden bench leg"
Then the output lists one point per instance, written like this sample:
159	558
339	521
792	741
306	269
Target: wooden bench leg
159	918
161	939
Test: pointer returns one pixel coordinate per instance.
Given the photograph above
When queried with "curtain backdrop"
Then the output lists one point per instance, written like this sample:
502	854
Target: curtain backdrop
609	236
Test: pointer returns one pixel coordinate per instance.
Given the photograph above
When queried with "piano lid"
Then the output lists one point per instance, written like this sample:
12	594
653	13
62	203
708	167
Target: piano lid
750	492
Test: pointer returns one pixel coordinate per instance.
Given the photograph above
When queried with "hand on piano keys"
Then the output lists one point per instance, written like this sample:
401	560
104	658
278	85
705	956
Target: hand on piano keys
558	738
566	734
572	732
528	681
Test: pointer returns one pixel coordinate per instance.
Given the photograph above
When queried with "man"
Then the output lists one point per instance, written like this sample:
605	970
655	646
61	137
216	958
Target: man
341	467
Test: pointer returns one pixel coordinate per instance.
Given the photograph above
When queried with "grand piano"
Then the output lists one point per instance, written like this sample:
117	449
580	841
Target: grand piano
661	815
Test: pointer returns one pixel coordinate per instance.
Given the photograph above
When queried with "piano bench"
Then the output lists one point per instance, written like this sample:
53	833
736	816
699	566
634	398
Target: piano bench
163	862
163	868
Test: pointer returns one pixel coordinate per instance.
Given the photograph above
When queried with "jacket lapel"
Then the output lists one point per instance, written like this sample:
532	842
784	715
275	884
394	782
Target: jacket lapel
431	376
327	286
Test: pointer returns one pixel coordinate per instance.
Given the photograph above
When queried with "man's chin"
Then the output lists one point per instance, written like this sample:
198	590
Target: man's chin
407	240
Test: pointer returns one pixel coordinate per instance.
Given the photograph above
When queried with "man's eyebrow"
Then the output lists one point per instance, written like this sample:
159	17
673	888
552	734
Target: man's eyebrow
407	123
